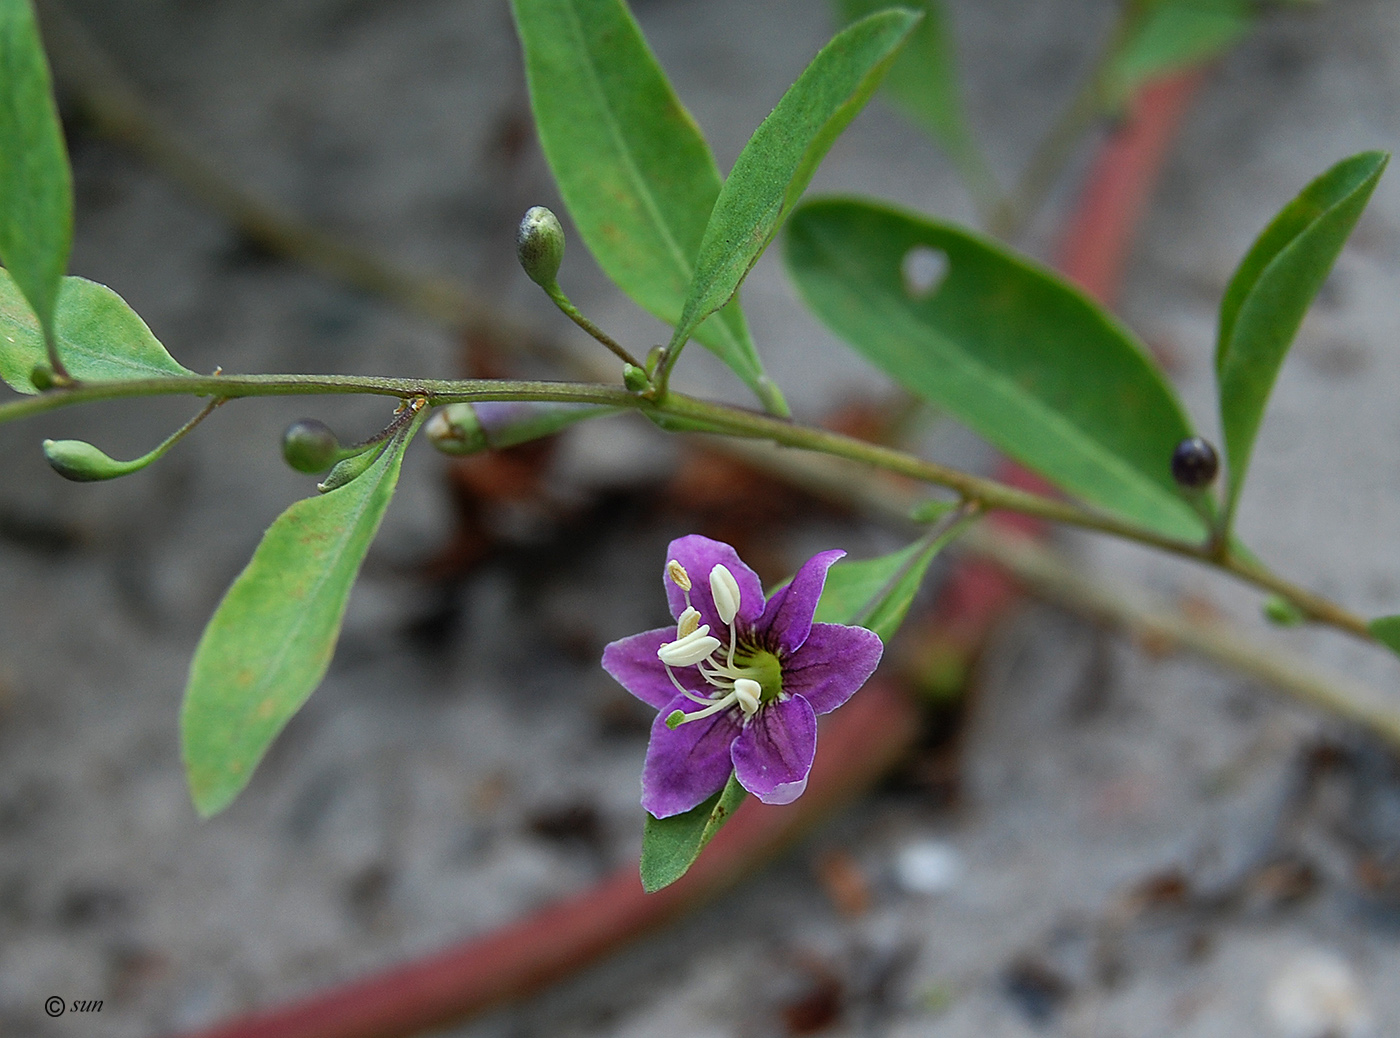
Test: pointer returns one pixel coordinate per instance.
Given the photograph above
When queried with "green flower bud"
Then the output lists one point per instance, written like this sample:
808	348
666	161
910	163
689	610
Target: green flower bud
350	468
1279	610
41	377
84	463
655	356
540	245
309	446
455	429
635	379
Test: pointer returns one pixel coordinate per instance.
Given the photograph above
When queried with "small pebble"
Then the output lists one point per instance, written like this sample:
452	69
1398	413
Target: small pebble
1317	996
928	867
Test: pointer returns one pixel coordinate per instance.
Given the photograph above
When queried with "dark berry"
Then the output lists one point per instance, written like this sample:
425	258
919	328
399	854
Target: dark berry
1194	463
310	446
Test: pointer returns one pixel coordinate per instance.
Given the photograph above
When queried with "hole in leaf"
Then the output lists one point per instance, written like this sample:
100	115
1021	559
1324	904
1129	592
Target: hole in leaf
923	269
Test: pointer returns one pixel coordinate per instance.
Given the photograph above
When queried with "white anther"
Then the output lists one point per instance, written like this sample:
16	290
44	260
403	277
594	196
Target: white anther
726	591
688	622
687	651
678	575
747	692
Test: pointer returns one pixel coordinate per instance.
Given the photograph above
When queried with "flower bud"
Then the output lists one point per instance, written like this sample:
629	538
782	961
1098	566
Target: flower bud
309	446
635	379
540	245
1280	611
84	463
41	377
349	469
455	429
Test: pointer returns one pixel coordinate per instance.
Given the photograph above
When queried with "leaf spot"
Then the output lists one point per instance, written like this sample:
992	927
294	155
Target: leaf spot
923	270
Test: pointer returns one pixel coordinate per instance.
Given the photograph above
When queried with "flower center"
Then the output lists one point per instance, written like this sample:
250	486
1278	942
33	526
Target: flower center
740	676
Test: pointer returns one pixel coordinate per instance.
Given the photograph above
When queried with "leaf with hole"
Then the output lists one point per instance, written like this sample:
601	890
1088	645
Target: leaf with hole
776	164
1271	291
36	188
634	170
1021	356
272	637
671	845
99	337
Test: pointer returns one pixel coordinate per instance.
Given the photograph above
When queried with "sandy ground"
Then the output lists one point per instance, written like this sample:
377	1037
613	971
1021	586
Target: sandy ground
1141	846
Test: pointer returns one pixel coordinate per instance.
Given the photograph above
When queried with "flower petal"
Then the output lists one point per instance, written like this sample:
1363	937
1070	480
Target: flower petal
632	661
699	555
832	663
774	753
788	615
687	765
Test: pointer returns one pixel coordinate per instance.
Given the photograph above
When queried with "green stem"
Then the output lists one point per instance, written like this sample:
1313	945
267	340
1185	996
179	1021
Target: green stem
677	410
566	306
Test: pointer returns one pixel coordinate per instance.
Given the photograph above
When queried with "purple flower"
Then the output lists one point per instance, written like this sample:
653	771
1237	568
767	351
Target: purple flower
739	681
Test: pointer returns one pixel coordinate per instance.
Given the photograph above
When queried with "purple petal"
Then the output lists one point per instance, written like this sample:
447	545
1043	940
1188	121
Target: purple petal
632	661
832	663
686	766
788	615
699	555
773	755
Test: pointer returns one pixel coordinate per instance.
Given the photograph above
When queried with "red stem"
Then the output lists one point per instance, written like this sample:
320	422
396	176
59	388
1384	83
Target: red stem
858	744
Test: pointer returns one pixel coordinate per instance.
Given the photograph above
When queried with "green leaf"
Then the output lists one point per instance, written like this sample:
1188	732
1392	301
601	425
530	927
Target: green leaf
631	164
776	164
272	637
1170	35
1386	630
36	187
1272	290
99	337
671	845
1020	355
877	593
923	82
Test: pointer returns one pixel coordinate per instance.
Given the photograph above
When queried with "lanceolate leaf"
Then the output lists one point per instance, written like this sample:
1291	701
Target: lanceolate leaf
631	164
671	845
36	189
923	81
776	164
1272	290
99	337
271	639
876	593
1025	359
1168	35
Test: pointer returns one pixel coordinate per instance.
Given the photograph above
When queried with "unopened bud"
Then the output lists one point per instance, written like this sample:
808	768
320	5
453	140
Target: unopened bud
635	379
540	245
455	429
84	463
41	377
349	469
309	446
1279	610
